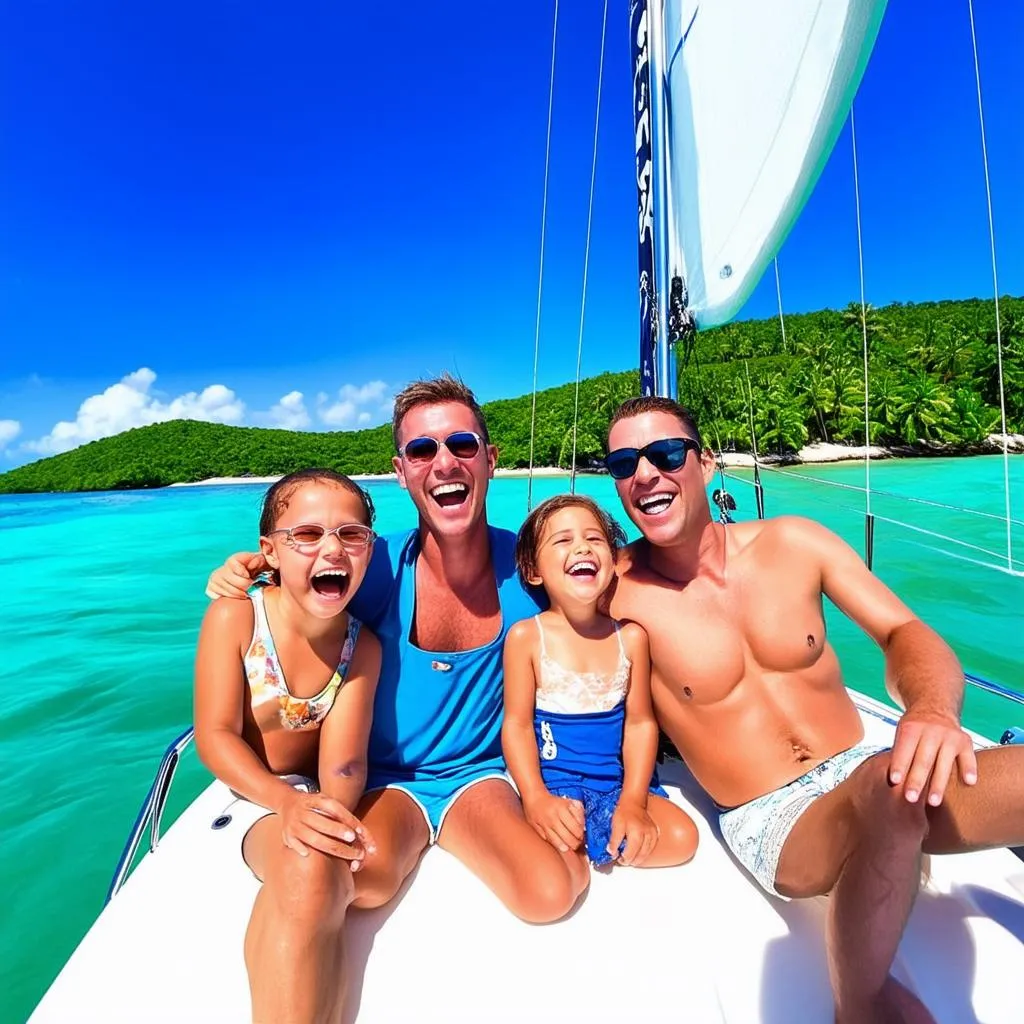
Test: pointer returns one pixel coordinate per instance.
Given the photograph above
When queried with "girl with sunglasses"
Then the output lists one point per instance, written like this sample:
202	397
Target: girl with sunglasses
285	683
579	733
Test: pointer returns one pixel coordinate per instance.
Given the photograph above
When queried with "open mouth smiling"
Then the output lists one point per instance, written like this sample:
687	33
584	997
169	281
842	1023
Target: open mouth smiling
449	495
584	569
654	504
330	583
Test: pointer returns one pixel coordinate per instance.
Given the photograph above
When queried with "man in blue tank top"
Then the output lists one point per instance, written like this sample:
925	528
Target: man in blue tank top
441	599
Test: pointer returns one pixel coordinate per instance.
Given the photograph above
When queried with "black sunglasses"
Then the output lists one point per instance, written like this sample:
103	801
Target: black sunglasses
667	454
463	444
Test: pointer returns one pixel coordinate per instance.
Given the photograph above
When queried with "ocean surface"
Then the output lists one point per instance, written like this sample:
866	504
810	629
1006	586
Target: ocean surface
102	596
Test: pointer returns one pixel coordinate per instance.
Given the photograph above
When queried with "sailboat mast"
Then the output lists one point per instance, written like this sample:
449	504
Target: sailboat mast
650	123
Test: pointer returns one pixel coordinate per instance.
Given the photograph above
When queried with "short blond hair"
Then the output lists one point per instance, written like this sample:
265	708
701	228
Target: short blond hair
436	391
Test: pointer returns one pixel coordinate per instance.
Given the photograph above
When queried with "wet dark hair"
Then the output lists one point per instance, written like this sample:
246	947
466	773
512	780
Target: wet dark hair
279	494
650	403
531	530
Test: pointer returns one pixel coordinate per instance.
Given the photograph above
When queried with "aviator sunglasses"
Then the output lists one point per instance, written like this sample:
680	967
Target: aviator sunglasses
463	444
351	536
667	454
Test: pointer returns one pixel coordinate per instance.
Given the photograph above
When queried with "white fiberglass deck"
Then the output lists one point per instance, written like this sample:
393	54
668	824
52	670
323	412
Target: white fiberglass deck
699	943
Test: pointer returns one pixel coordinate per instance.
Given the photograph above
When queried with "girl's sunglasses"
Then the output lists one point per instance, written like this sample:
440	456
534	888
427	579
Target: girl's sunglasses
352	536
667	454
463	444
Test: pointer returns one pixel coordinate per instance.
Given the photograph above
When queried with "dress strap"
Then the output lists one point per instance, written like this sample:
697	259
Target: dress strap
261	624
540	630
618	636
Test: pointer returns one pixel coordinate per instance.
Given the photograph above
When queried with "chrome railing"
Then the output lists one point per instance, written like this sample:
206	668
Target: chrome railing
990	687
150	813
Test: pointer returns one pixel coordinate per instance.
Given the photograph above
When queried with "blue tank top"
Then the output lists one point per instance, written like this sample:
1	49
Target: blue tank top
437	714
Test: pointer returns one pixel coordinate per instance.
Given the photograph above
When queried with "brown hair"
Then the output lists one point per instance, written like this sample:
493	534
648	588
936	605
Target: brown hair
531	530
649	403
434	391
279	494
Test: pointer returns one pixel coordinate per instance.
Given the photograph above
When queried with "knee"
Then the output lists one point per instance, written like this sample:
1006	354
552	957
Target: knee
312	892
548	895
680	838
883	808
378	881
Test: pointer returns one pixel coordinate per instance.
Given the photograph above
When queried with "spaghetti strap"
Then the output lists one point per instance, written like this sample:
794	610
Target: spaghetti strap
540	630
618	636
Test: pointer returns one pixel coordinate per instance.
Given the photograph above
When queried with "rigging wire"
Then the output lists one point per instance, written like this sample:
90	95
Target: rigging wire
540	277
995	290
864	331
586	256
778	292
886	494
899	522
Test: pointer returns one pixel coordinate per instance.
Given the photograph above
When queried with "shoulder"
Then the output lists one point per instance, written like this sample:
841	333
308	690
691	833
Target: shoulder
634	636
229	615
522	632
784	533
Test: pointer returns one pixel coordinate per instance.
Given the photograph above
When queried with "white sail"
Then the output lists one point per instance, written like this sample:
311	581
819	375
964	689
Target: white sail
757	94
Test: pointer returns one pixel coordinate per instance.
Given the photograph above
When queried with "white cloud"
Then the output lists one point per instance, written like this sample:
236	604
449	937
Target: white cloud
356	405
9	430
289	413
129	404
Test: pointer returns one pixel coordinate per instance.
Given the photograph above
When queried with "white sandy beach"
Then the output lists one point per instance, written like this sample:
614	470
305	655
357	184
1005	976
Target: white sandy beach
214	481
812	453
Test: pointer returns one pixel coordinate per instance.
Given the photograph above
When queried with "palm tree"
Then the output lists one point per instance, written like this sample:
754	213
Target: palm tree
925	412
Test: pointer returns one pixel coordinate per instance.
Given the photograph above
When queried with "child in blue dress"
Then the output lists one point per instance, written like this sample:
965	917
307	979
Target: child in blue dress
579	734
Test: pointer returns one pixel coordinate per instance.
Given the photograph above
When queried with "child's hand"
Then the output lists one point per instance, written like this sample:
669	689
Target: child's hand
558	820
235	576
313	821
632	823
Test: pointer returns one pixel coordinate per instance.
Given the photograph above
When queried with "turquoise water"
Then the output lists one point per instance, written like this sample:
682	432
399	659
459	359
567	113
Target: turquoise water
103	594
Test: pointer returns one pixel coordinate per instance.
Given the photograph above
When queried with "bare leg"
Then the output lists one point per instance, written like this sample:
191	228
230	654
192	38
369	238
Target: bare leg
861	842
677	834
486	830
401	835
293	945
988	814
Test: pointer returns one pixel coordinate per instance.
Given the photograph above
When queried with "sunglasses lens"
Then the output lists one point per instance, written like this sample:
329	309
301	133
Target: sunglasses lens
668	455
304	535
621	463
421	449
463	445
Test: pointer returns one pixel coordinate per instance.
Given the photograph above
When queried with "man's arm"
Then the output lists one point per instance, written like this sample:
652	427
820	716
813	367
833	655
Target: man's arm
922	674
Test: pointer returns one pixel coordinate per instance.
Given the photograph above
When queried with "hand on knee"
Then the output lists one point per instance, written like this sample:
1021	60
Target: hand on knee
883	808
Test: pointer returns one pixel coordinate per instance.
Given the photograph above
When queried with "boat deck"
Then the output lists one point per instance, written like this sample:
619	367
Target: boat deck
699	943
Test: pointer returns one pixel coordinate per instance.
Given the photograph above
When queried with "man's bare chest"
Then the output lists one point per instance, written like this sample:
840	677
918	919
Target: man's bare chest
445	621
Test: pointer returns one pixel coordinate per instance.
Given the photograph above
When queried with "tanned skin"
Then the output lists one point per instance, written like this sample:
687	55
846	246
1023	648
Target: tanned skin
457	609
749	690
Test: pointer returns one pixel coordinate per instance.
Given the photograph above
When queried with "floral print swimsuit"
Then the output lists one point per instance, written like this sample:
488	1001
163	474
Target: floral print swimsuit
273	706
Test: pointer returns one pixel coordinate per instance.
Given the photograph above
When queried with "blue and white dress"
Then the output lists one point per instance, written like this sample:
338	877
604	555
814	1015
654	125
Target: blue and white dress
579	723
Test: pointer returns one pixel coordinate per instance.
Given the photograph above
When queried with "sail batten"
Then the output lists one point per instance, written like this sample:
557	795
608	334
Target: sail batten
756	94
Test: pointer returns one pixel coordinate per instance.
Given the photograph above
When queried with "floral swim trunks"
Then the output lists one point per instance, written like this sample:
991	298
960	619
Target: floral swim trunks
757	831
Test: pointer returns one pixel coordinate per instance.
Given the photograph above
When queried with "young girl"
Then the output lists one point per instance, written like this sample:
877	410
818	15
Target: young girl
285	681
579	734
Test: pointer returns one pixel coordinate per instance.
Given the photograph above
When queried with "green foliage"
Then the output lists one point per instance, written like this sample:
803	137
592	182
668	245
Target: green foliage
933	377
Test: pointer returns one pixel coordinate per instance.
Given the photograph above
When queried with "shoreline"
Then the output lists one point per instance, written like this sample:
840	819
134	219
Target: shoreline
814	454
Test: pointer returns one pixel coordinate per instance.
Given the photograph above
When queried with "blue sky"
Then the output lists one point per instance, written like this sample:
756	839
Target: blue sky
208	208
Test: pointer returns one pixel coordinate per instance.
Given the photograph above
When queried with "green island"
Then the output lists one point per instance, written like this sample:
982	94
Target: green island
933	387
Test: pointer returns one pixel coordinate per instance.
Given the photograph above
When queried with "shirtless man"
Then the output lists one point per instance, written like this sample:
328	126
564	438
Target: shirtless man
750	692
441	600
